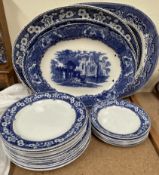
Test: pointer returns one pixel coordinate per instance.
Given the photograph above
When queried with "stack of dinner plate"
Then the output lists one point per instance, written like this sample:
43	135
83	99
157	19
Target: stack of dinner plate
120	123
45	131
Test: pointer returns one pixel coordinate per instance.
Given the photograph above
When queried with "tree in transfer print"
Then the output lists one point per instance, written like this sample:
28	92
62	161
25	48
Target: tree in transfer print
80	68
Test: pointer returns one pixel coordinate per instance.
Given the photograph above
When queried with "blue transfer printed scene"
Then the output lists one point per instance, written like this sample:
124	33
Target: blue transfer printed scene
80	68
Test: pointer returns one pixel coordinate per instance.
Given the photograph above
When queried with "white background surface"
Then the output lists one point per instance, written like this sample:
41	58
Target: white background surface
21	12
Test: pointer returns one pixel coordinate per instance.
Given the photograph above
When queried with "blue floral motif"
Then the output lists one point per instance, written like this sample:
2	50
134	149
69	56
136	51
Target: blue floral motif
47	20
80	68
82	13
99	16
34	29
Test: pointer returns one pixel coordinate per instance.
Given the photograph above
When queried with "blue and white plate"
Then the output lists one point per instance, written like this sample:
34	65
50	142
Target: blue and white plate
57	16
147	36
52	165
120	120
52	160
117	142
37	122
45	131
80	59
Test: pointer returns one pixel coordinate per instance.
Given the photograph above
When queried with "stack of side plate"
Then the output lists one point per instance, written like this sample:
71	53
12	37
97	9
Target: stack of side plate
45	131
120	123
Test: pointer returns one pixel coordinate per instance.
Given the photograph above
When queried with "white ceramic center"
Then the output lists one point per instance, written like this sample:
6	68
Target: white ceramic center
119	120
44	120
88	45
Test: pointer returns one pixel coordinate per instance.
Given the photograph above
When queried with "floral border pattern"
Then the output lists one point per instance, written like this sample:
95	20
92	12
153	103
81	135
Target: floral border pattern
144	118
6	122
31	64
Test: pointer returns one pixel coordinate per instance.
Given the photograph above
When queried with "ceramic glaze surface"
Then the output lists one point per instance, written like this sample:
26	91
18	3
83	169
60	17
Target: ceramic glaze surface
68	14
118	120
49	157
147	36
81	66
80	46
44	120
9	122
